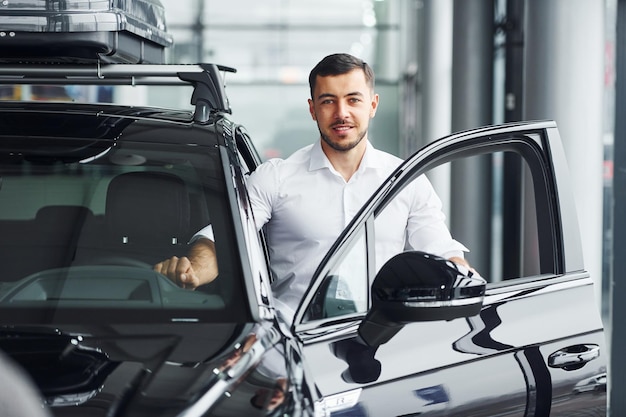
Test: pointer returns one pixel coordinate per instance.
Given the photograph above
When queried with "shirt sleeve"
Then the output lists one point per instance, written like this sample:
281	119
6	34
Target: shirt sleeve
261	185
426	227
205	232
262	189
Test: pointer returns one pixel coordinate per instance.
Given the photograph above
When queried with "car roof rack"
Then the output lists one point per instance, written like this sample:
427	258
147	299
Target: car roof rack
208	95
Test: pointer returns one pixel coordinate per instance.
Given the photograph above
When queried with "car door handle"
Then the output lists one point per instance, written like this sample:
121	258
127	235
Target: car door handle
573	357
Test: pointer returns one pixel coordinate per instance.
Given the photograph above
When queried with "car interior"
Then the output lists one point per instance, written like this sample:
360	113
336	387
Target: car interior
63	220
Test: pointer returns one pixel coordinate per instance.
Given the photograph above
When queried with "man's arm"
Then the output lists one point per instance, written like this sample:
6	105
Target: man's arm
199	267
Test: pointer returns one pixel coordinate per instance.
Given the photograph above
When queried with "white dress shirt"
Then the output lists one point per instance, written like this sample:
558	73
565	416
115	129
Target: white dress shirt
306	204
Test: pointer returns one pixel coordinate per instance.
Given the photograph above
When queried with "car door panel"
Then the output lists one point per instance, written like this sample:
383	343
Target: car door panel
423	375
543	323
501	356
570	394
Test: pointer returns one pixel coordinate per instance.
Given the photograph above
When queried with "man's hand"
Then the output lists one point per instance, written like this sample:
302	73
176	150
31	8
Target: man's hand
180	271
199	267
463	263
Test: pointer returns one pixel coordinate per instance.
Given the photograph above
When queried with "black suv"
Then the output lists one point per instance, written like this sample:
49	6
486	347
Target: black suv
93	194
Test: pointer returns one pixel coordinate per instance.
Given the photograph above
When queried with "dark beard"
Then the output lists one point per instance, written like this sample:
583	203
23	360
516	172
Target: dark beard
345	147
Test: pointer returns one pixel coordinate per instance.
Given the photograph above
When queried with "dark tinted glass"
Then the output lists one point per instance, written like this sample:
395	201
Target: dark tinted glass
85	215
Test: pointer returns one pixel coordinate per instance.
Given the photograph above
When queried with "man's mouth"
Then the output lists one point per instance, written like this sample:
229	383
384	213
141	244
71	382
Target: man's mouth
342	128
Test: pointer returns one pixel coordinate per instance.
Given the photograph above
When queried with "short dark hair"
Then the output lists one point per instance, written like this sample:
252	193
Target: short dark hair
337	64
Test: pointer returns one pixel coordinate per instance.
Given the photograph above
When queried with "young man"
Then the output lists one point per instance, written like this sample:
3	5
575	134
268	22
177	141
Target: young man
307	199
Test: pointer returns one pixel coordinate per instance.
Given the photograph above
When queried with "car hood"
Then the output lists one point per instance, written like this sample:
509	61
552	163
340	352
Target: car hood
137	370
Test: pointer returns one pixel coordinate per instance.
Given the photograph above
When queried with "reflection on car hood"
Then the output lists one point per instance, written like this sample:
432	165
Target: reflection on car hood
129	369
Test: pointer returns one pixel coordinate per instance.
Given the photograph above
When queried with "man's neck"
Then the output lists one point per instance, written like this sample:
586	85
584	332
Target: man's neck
346	163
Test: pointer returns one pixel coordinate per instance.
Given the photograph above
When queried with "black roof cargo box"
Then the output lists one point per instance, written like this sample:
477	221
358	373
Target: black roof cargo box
109	31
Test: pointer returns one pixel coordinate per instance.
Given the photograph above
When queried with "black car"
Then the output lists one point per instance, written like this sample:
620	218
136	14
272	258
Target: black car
93	194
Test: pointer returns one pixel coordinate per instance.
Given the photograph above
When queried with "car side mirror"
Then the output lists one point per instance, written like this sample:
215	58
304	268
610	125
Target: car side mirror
415	286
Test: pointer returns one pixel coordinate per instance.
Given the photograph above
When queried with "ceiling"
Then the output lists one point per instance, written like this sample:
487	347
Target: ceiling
271	41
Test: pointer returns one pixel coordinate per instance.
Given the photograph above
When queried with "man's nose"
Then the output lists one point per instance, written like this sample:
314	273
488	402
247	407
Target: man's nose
341	111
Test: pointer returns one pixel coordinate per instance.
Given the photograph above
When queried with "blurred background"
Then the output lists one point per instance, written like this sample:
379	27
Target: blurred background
274	44
441	66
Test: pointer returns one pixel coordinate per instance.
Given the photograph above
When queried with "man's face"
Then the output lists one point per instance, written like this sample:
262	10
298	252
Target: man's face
342	105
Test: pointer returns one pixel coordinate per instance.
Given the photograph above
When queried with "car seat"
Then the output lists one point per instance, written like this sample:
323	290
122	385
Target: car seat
147	215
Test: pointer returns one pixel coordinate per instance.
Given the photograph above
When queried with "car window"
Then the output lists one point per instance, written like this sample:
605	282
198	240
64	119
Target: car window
83	221
345	287
534	243
248	154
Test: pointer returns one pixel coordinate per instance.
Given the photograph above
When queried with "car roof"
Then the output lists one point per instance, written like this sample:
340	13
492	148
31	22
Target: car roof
122	111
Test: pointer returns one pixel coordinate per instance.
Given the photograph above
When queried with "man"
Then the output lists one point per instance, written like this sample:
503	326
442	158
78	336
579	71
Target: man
307	199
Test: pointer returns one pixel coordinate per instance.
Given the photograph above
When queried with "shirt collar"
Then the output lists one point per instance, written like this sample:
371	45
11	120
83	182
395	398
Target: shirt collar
319	159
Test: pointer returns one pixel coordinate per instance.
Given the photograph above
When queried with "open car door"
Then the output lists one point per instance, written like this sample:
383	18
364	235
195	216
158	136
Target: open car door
525	346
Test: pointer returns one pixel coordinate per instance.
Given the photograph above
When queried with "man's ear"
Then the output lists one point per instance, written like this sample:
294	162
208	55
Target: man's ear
374	105
312	109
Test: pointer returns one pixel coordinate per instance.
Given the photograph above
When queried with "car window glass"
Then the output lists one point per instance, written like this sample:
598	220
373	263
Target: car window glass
81	227
345	287
248	156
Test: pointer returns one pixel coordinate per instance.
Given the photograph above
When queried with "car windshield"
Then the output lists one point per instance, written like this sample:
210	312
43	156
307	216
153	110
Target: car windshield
90	202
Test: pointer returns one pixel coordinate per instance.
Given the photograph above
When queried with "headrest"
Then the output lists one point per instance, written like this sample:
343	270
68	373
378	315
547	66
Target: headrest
62	222
150	208
60	215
